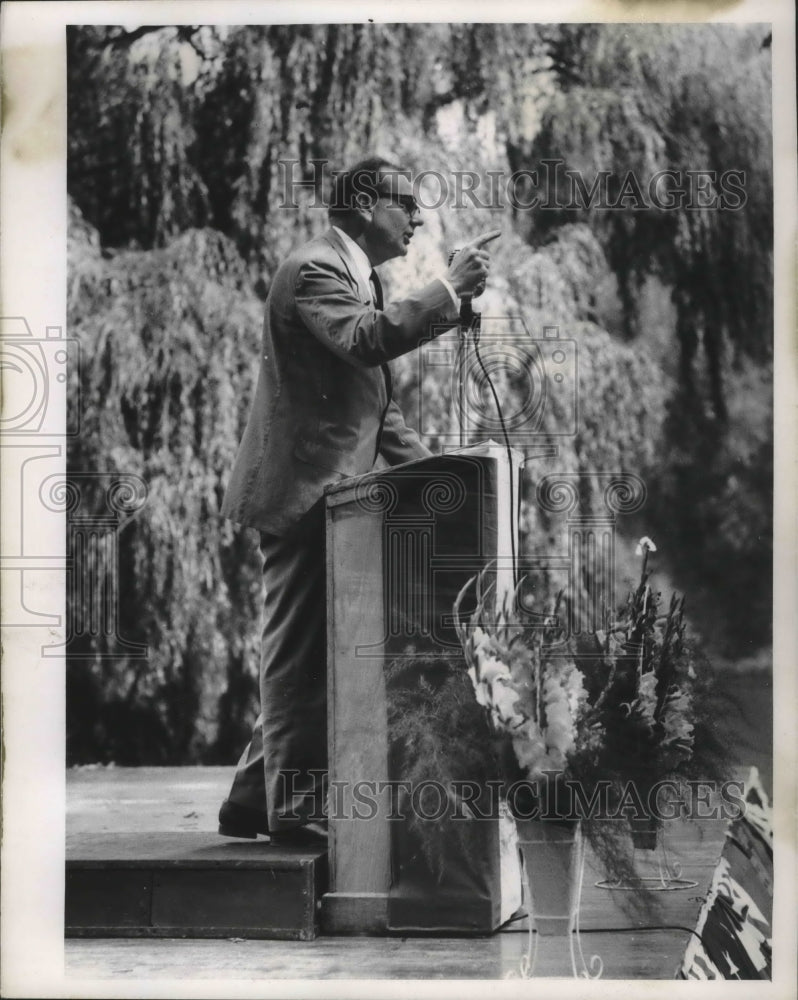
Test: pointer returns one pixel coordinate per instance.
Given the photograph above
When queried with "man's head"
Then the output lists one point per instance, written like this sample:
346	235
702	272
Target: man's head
373	203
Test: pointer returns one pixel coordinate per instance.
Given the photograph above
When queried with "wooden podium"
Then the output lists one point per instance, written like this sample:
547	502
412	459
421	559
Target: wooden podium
400	545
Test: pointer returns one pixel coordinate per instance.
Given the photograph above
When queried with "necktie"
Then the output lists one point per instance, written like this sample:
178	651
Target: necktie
376	288
376	291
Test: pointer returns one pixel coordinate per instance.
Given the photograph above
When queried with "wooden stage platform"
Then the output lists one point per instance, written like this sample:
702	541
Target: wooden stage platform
157	826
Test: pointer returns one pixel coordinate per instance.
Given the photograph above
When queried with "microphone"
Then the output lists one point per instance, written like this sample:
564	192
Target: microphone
468	318
467	314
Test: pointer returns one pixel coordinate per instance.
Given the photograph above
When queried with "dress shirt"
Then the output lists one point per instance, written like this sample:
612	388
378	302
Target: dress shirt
364	269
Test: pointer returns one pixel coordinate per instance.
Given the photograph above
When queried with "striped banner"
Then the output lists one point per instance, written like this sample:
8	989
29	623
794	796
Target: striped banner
733	933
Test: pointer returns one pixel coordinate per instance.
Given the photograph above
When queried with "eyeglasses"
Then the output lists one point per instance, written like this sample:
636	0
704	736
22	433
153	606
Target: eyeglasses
404	201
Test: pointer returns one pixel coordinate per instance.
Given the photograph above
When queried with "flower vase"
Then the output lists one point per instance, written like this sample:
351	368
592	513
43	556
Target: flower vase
644	832
553	856
655	870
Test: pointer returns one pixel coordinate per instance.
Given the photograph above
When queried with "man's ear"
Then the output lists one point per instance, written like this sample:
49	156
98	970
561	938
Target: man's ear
364	206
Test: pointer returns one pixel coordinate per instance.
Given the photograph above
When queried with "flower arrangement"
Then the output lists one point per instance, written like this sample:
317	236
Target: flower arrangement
656	710
620	711
537	700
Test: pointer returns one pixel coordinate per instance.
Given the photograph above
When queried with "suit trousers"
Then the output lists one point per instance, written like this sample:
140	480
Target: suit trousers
283	770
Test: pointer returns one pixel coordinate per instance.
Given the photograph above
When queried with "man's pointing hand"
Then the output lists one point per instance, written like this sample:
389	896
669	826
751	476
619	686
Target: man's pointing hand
468	270
480	241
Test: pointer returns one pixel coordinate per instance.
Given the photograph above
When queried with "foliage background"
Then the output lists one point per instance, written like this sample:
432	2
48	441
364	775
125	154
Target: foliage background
176	137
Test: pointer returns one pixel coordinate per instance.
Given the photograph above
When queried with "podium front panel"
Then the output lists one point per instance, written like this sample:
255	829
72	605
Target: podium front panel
400	545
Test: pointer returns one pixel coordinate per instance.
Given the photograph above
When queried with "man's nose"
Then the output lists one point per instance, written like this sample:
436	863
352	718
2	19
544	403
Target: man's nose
416	220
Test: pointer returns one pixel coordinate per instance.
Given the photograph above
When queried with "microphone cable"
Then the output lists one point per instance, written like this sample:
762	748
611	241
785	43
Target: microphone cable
475	327
471	322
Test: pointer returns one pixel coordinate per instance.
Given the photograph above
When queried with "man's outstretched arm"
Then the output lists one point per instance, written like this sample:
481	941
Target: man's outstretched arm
359	333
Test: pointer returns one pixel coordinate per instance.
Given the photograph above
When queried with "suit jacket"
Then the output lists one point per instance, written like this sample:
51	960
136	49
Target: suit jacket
322	408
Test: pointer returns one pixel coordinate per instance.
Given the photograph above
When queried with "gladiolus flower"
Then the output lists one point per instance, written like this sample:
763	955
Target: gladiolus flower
504	701
480	639
491	669
480	689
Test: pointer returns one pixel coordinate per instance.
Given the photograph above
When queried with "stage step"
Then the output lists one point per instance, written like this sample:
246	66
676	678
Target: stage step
191	884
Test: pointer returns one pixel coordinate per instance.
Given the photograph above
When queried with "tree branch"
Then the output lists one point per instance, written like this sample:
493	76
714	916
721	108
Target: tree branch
126	38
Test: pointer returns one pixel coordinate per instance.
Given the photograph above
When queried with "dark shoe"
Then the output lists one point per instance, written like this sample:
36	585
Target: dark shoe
311	834
241	821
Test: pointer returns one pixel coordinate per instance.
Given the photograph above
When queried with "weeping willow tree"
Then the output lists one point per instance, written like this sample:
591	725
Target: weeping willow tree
176	136
178	143
178	127
171	334
693	101
692	106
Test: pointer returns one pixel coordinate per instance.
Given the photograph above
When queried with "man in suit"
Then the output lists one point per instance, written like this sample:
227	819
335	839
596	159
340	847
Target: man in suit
322	411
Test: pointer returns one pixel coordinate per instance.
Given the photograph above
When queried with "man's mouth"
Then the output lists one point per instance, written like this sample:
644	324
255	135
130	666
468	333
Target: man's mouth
407	238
